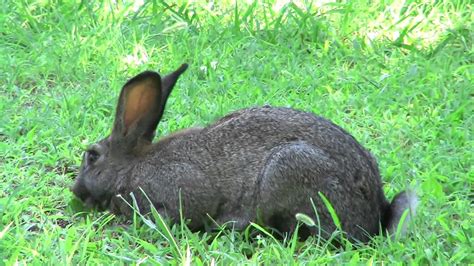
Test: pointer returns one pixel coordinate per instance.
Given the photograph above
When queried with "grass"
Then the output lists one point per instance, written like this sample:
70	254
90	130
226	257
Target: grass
398	75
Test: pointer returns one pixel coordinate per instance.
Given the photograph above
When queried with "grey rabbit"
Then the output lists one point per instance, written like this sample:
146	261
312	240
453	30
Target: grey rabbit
261	165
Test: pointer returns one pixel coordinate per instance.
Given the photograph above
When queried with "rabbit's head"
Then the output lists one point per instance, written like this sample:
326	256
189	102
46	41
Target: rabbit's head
107	163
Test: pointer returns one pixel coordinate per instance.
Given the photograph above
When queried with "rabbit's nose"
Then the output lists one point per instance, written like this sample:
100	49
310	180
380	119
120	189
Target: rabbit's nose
80	190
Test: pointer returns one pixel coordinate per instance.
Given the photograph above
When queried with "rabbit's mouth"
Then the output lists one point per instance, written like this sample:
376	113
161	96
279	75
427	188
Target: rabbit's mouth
100	205
92	198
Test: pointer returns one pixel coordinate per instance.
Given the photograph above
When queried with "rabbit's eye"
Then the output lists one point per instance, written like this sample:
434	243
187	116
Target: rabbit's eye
92	156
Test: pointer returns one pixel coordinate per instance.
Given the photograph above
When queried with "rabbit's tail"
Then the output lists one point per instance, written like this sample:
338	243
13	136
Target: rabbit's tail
405	201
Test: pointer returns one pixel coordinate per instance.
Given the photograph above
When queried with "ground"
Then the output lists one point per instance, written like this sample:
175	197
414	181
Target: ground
398	75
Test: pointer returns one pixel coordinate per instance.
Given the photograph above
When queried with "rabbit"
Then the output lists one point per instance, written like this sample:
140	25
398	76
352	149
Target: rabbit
260	164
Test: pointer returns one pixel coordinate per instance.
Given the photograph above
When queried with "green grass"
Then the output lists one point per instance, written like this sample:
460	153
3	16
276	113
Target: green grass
398	75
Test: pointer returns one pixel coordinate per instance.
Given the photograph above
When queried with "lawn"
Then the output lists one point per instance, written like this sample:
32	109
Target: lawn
398	75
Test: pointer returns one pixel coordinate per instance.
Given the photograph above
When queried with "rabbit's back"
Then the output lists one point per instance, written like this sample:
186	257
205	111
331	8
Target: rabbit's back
244	139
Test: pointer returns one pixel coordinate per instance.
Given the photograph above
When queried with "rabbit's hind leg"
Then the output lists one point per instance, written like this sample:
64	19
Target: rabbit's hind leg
292	175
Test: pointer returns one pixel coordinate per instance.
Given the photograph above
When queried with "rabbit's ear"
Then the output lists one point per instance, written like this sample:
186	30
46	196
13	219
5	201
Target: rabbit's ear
138	110
169	81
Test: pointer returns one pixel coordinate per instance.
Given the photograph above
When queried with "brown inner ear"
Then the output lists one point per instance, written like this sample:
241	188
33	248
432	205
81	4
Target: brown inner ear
140	101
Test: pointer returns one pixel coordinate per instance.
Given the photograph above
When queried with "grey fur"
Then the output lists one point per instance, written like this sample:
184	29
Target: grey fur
253	165
404	201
